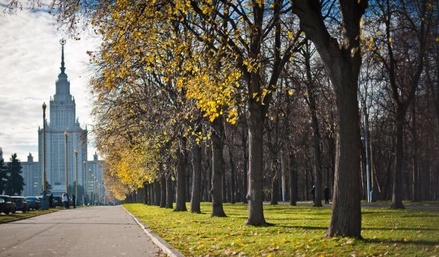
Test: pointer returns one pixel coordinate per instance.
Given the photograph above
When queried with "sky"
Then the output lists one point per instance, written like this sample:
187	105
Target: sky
30	60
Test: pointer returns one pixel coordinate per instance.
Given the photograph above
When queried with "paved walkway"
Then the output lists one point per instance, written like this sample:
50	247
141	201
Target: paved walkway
102	231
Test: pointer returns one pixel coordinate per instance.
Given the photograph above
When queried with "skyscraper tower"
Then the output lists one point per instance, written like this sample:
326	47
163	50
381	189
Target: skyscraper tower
64	135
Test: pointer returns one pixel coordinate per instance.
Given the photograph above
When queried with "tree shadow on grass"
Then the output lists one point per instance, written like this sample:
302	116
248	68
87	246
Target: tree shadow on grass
314	219
303	227
421	215
405	229
402	241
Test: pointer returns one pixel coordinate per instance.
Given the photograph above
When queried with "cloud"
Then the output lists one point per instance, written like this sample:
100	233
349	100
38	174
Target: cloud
30	59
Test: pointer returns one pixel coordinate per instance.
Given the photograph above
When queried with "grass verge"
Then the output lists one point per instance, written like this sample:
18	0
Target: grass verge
297	231
19	215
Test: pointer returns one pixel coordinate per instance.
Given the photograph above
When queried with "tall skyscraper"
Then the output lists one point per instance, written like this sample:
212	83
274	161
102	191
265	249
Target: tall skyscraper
66	141
66	151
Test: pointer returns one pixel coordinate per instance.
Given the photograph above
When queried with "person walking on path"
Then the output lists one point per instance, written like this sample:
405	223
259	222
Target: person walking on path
51	203
327	195
74	201
313	193
65	200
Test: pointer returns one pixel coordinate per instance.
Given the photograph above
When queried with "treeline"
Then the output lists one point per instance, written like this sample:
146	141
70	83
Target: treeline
258	101
11	181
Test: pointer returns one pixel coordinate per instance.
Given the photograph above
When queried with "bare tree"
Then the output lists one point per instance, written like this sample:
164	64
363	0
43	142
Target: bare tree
343	62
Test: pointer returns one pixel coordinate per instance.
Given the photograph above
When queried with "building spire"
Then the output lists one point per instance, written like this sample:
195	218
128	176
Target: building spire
62	42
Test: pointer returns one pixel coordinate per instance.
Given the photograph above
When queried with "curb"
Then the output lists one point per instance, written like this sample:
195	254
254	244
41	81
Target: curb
165	246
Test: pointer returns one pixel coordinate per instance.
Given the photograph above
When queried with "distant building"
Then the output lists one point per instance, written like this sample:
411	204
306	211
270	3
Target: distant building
63	135
31	175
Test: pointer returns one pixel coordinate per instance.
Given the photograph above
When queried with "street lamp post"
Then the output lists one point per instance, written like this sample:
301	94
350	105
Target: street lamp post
66	135
44	203
76	178
96	191
99	193
91	190
84	193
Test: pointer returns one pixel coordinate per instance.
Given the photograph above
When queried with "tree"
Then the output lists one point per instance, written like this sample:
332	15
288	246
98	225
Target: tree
343	61
310	97
196	175
218	173
227	34
401	50
15	182
180	201
253	46
167	67
3	176
48	187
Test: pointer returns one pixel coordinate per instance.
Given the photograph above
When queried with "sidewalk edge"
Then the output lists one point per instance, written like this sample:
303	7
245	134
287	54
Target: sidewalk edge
165	246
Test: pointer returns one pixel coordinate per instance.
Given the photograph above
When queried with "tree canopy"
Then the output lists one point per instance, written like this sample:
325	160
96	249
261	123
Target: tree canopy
264	97
14	179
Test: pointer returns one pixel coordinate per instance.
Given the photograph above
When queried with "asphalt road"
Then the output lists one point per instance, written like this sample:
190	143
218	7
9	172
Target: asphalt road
102	231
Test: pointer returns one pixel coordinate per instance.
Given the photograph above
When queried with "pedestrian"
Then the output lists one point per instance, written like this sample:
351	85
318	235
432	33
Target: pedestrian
313	193
326	195
74	201
51	204
65	199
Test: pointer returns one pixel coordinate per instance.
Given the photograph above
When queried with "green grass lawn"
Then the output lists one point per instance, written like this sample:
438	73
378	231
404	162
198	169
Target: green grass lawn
297	231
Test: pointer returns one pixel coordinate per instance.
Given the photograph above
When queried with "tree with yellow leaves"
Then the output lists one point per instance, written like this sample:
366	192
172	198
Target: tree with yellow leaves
219	50
255	39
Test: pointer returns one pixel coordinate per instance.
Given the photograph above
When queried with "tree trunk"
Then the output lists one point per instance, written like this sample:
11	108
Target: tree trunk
245	168
196	179
399	159
151	194
275	184
283	169
346	216
293	180
162	189
232	175
147	196
207	178
256	164
169	192
311	101
415	174
180	201
143	194
217	168
317	158
225	199
343	62
258	104
156	193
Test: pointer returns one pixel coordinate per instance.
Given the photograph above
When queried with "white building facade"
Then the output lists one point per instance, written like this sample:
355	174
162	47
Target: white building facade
31	176
65	152
66	141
